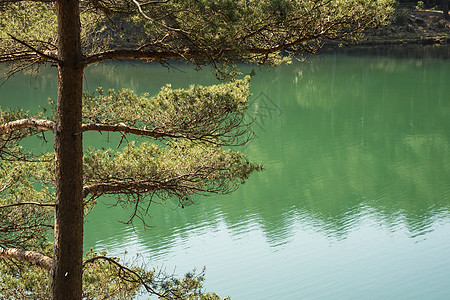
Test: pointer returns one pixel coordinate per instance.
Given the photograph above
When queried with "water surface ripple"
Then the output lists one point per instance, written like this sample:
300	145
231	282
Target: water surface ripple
355	199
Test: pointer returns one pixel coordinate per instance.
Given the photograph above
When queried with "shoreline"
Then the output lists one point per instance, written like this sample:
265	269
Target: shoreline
415	27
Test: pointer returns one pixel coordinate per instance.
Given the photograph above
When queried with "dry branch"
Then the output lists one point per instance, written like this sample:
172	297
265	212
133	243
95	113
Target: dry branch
127	129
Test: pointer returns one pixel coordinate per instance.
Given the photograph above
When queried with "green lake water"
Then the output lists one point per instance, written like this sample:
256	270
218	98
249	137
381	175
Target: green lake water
354	202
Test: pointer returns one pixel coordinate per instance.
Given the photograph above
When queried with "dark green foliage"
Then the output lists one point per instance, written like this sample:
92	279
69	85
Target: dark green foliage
202	32
401	16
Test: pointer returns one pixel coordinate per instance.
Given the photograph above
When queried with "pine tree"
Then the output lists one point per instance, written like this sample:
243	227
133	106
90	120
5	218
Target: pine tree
52	192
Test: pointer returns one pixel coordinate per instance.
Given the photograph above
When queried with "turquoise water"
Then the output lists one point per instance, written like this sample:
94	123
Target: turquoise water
355	199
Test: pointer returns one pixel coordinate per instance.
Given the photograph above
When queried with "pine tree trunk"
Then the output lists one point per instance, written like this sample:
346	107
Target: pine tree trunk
66	275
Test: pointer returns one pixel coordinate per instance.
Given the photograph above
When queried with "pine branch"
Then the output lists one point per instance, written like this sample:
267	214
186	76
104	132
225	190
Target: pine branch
28	203
119	187
214	114
27	123
137	54
34	257
126	273
41	54
17	56
127	129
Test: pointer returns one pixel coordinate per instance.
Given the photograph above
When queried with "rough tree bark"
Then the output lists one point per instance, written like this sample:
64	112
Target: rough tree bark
66	275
